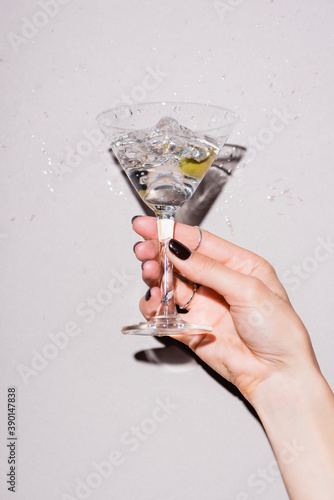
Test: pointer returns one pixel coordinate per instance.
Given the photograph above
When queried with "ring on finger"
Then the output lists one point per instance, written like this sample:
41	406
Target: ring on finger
200	237
191	297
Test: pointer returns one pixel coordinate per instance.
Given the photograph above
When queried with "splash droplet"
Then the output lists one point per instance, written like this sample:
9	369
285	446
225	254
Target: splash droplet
229	223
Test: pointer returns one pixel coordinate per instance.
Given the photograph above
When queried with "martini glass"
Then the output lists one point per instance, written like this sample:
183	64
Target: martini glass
165	148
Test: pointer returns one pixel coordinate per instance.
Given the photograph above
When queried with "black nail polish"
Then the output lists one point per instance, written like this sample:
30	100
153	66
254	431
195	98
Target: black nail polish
181	311
135	217
180	250
134	246
148	295
142	264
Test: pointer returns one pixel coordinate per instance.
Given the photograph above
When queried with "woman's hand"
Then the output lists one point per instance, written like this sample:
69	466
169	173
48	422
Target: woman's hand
258	343
256	332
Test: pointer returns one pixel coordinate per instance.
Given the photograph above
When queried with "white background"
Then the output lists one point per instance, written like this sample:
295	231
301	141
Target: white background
65	229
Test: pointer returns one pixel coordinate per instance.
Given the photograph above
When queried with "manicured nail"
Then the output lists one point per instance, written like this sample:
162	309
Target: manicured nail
135	217
181	311
148	295
134	246
178	249
142	264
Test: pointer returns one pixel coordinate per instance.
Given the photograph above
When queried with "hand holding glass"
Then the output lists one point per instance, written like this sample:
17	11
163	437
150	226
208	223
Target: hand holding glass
165	150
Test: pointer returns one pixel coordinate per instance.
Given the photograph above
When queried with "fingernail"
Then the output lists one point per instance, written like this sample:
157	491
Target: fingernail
134	246
142	264
148	295
135	217
181	311
178	249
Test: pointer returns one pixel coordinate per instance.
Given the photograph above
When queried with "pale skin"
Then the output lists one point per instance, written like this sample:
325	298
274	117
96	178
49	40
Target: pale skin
258	343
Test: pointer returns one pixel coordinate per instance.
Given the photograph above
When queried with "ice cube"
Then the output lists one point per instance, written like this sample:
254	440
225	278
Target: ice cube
197	152
168	125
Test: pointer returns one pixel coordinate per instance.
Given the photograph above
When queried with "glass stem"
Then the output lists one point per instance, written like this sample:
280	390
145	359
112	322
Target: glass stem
165	233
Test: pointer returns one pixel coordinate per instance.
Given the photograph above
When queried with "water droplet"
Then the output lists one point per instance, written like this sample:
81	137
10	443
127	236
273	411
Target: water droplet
241	165
228	222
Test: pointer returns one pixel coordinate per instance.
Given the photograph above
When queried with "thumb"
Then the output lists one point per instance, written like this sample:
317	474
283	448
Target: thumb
235	287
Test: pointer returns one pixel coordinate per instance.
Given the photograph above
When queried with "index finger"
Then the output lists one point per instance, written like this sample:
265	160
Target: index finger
225	252
213	246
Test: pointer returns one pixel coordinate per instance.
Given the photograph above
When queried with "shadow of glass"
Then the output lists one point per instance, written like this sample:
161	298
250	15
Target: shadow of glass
172	357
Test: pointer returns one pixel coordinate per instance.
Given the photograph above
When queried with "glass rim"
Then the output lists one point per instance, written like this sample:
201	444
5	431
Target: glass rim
232	121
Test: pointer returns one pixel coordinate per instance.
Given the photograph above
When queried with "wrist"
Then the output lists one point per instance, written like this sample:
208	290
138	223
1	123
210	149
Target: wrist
297	413
290	391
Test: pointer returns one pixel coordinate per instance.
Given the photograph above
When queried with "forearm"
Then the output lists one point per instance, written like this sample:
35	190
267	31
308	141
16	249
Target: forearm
298	416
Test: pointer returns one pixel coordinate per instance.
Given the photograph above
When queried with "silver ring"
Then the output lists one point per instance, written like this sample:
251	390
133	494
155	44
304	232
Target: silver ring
200	237
191	298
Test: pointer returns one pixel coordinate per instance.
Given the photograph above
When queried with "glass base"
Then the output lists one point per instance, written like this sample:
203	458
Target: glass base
162	326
